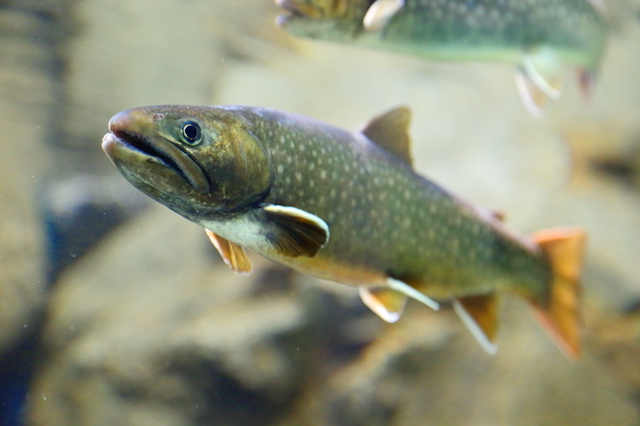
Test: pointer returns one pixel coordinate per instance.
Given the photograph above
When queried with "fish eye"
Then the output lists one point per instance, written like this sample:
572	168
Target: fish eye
191	133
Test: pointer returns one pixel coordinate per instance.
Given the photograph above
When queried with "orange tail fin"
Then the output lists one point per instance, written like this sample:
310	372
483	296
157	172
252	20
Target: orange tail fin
560	314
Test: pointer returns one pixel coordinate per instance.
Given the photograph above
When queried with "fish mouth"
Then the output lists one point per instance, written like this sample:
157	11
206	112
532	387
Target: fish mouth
164	152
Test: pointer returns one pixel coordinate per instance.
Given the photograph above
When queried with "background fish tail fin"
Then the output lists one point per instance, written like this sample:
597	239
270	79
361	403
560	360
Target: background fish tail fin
560	313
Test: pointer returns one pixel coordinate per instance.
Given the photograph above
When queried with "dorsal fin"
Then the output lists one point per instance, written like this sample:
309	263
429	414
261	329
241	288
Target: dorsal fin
390	131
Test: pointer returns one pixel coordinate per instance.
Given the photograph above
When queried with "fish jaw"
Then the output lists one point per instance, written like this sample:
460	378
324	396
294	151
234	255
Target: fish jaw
151	174
130	128
155	165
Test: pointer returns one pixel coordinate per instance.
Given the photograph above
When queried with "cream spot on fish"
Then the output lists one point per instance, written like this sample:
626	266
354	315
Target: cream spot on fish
289	160
323	174
332	193
344	195
298	176
287	180
312	166
301	193
280	168
312	183
321	199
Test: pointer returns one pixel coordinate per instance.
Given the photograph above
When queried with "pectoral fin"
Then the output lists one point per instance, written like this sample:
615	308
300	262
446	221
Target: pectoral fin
388	304
544	68
480	315
379	14
232	254
293	232
538	79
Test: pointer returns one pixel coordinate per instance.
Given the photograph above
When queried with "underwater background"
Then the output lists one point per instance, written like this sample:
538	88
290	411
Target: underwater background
116	311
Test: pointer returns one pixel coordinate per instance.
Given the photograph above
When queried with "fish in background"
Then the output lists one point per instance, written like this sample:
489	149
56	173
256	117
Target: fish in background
540	36
348	207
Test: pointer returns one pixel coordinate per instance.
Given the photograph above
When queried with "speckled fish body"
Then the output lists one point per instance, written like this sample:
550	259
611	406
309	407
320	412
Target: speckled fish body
254	172
539	36
463	29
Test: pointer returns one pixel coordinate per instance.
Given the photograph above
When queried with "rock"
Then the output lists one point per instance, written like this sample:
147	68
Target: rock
27	95
406	378
150	328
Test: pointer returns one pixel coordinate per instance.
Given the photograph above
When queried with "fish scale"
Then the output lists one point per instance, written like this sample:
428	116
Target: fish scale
401	188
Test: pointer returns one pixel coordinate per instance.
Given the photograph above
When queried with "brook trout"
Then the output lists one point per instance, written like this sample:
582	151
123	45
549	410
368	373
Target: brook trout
344	206
538	35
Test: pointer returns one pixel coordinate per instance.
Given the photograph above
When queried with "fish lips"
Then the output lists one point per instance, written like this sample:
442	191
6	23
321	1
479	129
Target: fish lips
130	151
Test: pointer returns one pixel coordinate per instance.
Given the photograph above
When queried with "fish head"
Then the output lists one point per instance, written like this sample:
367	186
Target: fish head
334	20
197	161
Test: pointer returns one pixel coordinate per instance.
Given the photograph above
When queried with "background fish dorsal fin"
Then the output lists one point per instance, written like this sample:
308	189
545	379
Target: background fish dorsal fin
390	131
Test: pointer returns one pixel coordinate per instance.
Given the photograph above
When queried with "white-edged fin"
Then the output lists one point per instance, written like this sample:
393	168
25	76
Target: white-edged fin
232	254
532	98
407	290
379	14
543	68
293	232
477	332
386	303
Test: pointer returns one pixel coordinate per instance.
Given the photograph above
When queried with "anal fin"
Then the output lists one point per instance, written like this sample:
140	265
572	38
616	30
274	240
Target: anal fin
388	304
480	315
232	254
